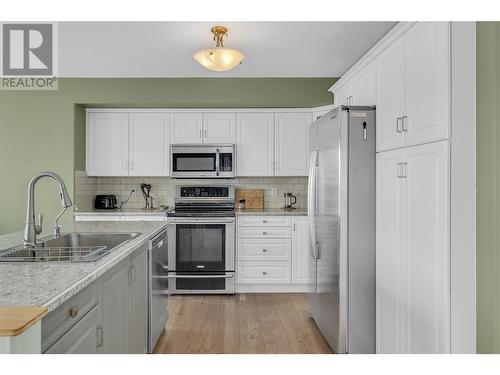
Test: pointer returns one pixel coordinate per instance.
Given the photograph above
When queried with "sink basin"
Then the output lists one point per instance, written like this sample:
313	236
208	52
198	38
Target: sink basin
72	247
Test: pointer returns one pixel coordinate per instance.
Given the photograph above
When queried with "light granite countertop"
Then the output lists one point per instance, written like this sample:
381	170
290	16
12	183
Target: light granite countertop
49	284
125	212
271	212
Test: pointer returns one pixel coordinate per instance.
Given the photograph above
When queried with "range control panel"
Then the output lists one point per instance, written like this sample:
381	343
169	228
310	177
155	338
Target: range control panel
204	192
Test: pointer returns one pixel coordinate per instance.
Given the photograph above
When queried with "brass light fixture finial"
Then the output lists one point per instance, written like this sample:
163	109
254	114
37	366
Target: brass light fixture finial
219	58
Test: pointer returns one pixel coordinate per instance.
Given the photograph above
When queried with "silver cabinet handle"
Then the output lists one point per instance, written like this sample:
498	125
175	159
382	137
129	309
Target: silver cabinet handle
404	123
201	134
200	276
100	336
400	173
399	129
73	312
264	273
264	233
404	170
295	227
264	250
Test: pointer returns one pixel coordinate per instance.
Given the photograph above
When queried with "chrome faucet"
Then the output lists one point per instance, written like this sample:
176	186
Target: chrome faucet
32	229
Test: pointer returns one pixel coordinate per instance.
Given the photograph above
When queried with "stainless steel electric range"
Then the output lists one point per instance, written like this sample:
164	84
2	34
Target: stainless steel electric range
201	251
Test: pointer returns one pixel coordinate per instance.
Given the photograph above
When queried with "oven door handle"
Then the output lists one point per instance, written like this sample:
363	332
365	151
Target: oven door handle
199	276
197	221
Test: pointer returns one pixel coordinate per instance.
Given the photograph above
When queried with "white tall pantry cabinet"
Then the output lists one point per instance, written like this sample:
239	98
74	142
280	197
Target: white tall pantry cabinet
412	74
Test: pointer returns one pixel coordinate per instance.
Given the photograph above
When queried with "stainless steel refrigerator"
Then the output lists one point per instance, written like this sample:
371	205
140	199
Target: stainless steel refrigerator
341	213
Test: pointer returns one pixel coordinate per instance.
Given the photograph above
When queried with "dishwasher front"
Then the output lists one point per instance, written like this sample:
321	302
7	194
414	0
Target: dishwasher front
158	287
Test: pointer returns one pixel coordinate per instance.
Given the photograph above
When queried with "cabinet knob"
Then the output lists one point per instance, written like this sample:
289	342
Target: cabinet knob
264	250
264	233
264	273
264	221
73	312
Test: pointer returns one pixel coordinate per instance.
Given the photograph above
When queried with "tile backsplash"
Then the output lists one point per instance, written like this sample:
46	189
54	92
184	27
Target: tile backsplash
163	189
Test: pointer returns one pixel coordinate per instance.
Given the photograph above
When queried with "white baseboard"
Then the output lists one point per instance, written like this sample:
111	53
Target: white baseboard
271	288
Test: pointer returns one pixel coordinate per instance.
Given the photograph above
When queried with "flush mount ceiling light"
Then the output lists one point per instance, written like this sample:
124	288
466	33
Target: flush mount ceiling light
219	58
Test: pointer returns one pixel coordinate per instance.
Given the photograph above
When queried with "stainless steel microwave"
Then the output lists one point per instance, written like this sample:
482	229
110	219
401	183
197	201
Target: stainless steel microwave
202	161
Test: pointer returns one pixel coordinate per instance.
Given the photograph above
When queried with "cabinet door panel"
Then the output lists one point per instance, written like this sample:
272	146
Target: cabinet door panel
292	144
114	302
139	302
300	251
427	244
81	338
149	144
342	95
427	83
390	97
255	144
219	128
107	144
363	86
390	254
186	128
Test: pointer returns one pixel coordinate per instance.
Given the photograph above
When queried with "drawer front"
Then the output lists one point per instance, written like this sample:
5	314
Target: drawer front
264	249
264	232
264	221
59	321
264	273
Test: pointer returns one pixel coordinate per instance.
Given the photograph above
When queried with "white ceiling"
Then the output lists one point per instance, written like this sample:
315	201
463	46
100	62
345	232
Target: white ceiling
164	49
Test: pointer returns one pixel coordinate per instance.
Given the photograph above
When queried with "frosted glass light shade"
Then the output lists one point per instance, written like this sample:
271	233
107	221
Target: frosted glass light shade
219	59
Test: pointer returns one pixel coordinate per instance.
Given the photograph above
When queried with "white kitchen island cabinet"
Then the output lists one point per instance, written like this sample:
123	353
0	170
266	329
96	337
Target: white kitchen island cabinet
413	245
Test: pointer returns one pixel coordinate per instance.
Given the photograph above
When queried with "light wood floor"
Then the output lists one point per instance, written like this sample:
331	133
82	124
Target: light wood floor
242	323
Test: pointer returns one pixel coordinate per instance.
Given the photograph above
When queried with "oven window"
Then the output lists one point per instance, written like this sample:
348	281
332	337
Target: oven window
200	247
194	162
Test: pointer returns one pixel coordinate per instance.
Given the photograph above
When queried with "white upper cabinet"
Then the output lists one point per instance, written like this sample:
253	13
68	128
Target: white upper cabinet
427	84
107	144
343	95
390	96
186	127
364	86
149	144
255	144
413	84
219	128
292	143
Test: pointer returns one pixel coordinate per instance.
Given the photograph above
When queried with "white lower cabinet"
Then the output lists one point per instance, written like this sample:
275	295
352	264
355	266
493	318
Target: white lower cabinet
300	250
272	253
81	338
108	316
413	275
124	304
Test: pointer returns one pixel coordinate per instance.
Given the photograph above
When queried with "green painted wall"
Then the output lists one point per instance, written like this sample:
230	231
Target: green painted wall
44	130
488	183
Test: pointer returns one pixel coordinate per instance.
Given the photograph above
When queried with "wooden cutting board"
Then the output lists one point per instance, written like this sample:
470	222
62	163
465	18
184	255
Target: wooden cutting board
254	197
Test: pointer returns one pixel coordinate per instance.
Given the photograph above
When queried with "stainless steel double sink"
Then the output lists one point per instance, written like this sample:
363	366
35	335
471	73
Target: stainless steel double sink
71	247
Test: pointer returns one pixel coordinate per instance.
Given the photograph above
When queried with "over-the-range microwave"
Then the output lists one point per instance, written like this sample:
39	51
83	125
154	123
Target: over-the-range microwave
202	161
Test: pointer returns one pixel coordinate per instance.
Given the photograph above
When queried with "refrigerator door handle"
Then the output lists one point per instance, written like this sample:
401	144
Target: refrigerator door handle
311	203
